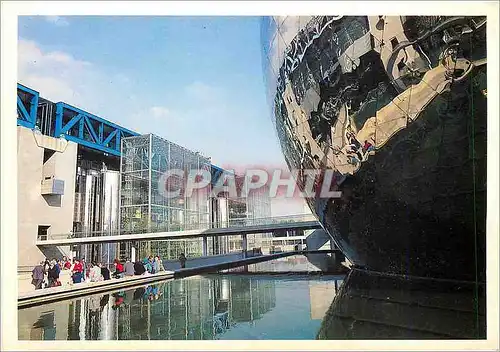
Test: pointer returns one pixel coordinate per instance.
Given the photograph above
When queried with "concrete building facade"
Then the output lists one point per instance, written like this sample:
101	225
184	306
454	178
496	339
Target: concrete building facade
46	192
81	175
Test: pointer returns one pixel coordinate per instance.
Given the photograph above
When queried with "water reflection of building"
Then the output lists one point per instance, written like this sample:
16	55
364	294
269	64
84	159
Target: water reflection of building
317	292
189	309
43	324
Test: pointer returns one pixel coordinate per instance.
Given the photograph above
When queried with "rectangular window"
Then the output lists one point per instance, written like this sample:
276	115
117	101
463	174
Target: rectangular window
43	232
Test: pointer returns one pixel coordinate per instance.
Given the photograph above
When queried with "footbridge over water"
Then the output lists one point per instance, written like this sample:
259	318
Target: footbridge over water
241	227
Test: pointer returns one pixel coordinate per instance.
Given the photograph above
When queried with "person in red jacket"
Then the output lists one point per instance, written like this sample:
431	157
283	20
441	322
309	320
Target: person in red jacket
119	269
77	274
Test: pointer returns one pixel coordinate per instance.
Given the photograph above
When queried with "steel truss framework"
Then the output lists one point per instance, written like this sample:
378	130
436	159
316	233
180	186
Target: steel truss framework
89	130
74	124
27	105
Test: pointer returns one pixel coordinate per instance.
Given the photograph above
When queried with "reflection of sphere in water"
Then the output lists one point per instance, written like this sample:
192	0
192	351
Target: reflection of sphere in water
415	204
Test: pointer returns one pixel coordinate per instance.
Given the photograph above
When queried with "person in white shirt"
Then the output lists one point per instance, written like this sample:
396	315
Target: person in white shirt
95	273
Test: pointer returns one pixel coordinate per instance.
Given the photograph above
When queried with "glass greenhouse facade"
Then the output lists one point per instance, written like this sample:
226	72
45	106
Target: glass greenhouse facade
143	206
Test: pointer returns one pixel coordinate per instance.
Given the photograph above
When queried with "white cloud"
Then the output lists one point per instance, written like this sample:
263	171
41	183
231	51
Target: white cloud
159	112
59	76
30	54
53	89
191	116
57	20
53	74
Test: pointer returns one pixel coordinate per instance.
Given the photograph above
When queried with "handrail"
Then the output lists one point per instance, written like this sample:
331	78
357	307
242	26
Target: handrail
244	222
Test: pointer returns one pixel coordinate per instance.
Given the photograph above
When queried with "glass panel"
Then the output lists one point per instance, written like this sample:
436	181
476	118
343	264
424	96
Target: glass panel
191	220
134	219
135	153
303	21
160	154
270	81
135	188
279	20
276	53
176	219
268	31
289	29
159	218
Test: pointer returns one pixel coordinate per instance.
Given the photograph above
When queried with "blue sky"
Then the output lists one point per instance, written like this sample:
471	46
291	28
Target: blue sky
196	81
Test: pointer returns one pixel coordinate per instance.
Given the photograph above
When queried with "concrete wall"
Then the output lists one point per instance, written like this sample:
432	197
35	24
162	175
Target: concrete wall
35	209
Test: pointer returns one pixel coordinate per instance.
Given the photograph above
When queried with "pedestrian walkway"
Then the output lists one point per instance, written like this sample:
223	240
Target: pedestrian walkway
253	226
193	267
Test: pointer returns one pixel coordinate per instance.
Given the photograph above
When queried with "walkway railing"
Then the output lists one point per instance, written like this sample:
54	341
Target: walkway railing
234	223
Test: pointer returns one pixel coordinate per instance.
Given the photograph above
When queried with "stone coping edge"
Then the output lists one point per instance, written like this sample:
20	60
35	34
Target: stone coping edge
49	295
65	292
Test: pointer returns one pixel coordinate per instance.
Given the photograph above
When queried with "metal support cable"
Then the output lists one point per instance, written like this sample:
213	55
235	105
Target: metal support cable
382	44
476	291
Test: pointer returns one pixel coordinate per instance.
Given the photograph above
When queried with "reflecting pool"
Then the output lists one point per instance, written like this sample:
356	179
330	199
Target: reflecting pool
310	263
196	308
299	297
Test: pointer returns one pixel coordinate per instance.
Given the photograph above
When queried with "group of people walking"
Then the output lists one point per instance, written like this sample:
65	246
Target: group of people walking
46	274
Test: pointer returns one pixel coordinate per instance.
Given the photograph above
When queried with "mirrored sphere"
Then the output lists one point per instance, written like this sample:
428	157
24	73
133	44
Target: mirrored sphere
395	108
